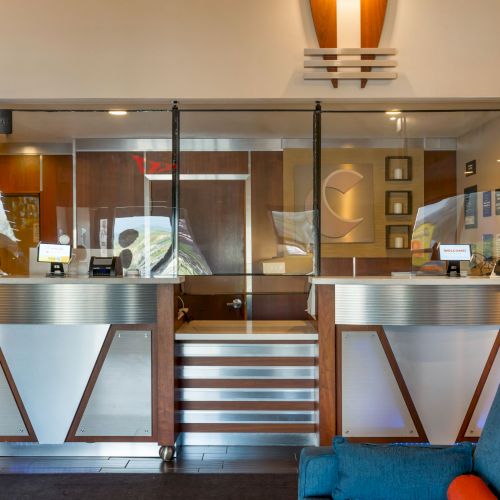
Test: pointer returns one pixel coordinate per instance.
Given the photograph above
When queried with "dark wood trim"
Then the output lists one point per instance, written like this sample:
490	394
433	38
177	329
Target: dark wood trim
403	388
479	389
247	383
165	364
31	437
249	405
338	382
250	427
327	363
249	361
401	384
246	342
71	436
94	376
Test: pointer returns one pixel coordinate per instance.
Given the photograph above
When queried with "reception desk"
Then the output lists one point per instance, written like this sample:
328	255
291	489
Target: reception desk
407	359
88	360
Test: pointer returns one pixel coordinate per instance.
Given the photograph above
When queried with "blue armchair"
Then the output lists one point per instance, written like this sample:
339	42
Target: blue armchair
361	467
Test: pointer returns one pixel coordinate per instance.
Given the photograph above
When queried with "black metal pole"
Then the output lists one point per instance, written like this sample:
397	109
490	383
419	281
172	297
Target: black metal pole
176	146
317	188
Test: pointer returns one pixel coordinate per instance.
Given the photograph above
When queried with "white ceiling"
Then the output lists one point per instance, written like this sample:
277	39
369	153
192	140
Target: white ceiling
38	127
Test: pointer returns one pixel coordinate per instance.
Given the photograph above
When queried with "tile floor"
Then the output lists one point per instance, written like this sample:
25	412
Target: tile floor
189	459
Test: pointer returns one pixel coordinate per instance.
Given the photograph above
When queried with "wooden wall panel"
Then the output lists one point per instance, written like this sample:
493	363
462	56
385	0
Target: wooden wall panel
295	181
20	174
327	364
440	175
214	162
57	191
216	213
199	162
215	209
365	266
106	181
214	307
267	195
279	307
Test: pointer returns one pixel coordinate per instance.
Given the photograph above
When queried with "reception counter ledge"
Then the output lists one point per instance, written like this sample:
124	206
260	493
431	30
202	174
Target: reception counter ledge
87	360
407	359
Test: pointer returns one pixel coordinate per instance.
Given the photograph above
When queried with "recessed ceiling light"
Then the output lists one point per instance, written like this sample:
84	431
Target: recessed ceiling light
117	112
393	112
392	118
498	160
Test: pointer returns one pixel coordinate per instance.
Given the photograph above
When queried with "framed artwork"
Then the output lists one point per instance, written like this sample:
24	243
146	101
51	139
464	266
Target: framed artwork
497	201
488	246
19	230
470	168
487	204
470	207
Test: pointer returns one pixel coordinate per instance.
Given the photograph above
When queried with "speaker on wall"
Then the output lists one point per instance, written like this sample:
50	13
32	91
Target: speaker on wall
5	121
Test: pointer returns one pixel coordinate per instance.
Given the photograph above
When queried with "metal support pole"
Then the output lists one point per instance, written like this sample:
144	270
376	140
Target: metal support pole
317	188
176	146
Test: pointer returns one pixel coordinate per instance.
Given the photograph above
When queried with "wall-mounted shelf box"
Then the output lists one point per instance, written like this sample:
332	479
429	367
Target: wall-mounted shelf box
398	168
398	203
397	237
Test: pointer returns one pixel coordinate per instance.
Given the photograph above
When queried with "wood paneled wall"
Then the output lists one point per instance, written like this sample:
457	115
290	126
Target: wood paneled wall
267	195
365	266
105	182
20	174
57	192
49	177
440	175
297	170
215	210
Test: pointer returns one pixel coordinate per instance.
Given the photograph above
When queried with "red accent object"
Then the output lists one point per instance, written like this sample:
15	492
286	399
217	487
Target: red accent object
469	487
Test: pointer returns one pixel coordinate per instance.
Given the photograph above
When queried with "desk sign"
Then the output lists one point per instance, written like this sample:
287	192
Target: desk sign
454	252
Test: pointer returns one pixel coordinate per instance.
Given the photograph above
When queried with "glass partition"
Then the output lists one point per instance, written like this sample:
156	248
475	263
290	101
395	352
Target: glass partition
117	212
393	185
246	203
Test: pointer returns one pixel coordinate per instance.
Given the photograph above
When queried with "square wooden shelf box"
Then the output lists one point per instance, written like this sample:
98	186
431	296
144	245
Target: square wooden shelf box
398	203
397	237
398	168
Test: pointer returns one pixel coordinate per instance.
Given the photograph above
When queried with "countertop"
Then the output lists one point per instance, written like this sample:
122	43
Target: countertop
83	280
406	280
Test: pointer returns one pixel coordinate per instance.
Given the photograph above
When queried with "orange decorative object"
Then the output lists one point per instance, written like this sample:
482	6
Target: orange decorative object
372	23
469	487
324	14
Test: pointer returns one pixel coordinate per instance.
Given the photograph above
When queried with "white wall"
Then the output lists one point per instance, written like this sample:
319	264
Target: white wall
233	49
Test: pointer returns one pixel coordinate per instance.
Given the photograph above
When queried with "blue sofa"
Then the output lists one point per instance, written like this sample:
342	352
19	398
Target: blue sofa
321	471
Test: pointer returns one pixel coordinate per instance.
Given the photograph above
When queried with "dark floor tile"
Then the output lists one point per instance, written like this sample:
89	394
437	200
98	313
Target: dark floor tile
79	462
50	470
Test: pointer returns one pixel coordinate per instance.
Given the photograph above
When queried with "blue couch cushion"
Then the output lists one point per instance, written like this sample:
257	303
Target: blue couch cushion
317	470
487	455
402	471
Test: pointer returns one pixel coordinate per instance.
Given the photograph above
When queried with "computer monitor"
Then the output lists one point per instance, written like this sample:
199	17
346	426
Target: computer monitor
55	255
454	254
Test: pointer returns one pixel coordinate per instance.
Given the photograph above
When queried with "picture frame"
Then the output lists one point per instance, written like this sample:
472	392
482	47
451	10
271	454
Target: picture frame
470	168
487	204
470	207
